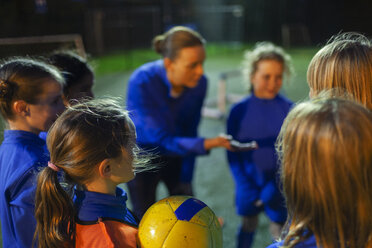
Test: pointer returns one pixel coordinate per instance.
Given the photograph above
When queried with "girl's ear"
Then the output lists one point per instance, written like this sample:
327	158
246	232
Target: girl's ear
104	168
167	63
20	107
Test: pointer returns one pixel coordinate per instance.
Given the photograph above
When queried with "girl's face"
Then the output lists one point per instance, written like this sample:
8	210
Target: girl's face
81	90
122	168
267	80
42	114
187	68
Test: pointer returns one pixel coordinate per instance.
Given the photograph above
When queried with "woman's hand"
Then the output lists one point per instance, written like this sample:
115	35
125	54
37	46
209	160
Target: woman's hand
222	140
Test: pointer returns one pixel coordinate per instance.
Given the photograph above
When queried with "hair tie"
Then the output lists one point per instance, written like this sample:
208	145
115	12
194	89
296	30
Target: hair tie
53	166
6	89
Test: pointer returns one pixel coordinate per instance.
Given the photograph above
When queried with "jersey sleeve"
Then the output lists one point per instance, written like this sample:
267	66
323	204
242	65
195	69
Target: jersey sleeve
235	159
22	206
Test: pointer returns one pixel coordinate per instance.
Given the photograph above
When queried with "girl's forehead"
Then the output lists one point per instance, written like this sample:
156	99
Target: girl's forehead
269	60
269	64
51	87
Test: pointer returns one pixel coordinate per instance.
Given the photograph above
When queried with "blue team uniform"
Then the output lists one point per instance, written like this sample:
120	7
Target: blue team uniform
21	156
308	243
165	125
43	136
255	172
91	206
104	220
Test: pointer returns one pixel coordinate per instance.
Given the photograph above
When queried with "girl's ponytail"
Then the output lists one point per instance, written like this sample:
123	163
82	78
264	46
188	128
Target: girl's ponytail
54	212
81	138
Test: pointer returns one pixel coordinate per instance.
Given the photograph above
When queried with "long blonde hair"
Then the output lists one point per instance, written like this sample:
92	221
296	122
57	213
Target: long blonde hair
345	62
325	148
82	137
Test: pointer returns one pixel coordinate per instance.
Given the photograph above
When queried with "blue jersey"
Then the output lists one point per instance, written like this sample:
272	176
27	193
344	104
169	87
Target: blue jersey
43	136
21	156
104	220
92	206
308	243
166	125
255	172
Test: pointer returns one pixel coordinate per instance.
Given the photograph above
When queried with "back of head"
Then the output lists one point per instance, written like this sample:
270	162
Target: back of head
73	67
345	62
171	42
87	133
265	51
83	136
22	79
325	148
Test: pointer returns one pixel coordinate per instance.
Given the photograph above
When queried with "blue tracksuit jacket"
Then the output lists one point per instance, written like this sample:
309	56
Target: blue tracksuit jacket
21	156
166	125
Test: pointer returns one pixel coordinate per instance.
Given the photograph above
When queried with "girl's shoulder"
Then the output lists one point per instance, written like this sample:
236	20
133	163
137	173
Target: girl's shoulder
284	100
242	102
23	148
241	105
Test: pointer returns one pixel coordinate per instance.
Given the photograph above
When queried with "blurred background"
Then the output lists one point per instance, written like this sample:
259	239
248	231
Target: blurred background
116	37
108	25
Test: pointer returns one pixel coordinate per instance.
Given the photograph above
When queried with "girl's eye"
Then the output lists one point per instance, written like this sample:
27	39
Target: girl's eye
266	77
192	66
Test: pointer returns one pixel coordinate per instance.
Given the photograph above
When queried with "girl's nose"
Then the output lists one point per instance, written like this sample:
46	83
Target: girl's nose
200	70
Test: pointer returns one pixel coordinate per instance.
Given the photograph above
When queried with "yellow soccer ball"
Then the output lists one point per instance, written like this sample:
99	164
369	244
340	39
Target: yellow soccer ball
179	221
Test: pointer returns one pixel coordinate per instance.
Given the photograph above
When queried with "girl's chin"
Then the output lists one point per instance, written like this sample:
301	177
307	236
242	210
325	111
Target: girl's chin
192	85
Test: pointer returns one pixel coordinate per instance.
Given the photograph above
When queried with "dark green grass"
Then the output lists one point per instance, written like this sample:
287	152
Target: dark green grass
213	182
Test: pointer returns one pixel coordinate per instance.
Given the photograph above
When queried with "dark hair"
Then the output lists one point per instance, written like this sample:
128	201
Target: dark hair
82	137
23	79
170	43
72	66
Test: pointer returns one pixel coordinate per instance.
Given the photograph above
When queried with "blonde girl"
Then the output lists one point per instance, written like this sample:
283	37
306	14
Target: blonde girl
30	100
325	148
92	150
344	63
258	118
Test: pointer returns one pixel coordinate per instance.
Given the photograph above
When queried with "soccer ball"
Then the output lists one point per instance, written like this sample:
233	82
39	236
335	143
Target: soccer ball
179	221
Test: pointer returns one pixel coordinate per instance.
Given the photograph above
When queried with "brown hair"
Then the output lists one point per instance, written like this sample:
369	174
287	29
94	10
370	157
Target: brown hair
170	43
325	148
23	79
82	137
345	62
